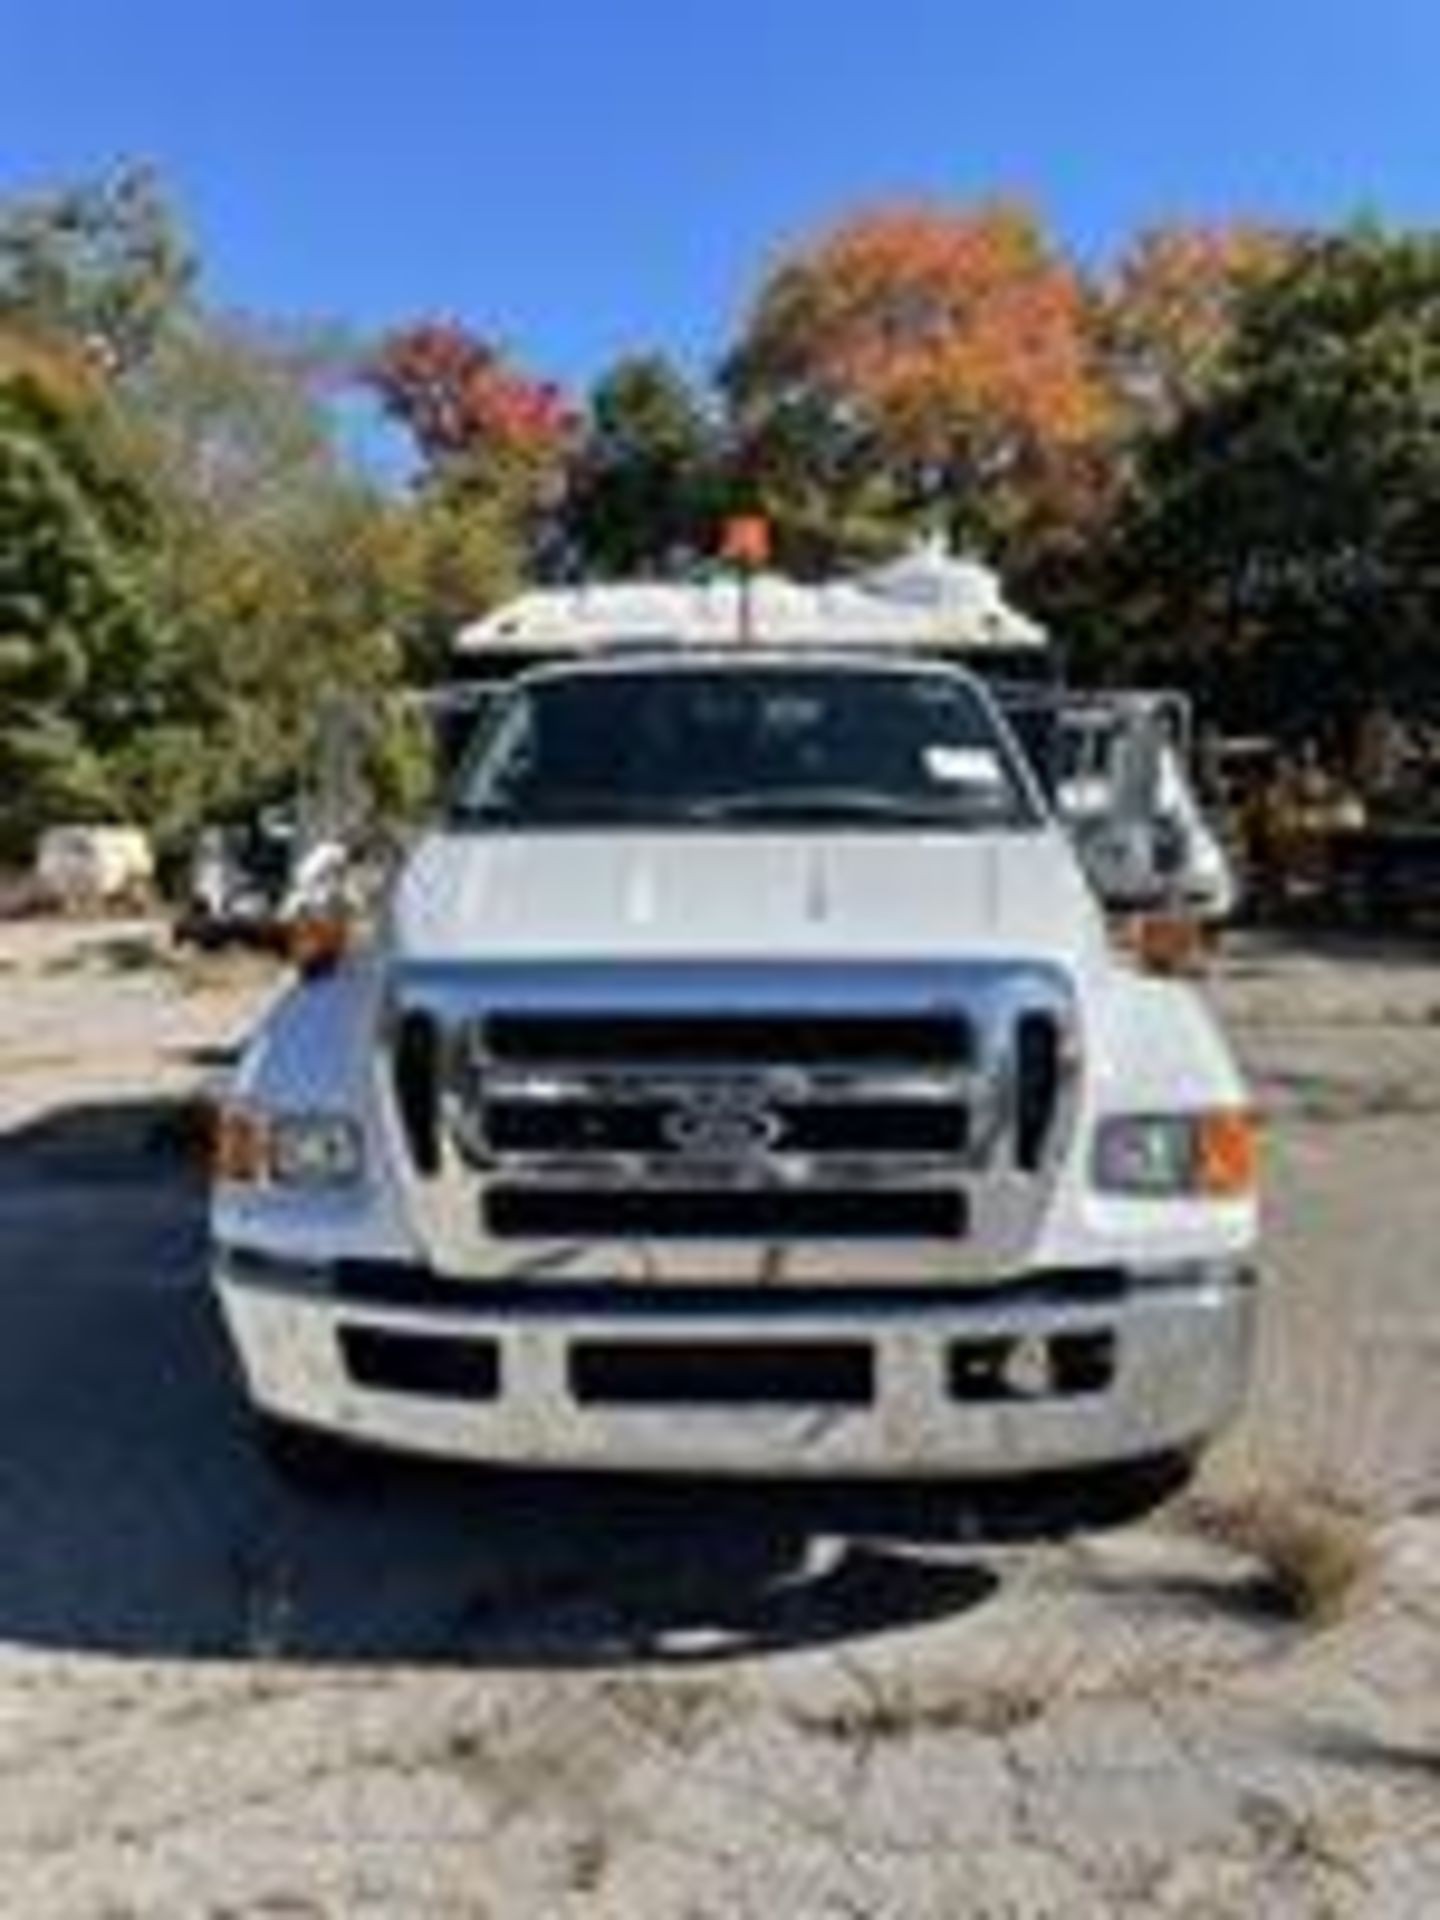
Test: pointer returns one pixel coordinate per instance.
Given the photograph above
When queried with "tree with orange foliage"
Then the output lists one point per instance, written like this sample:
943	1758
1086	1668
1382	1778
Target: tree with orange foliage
495	446
917	365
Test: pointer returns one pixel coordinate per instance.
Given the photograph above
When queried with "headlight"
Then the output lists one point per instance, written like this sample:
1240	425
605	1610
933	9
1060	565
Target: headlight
307	1149
1176	1155
315	1150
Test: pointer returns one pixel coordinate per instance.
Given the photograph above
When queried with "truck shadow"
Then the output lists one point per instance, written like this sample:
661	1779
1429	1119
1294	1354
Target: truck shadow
136	1517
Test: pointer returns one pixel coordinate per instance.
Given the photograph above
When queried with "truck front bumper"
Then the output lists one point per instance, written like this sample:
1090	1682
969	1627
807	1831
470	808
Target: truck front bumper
1046	1371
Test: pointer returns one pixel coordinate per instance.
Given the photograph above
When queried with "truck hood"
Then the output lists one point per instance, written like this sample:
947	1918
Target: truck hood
621	895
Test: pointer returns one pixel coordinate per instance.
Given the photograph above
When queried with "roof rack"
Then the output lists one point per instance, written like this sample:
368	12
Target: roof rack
928	600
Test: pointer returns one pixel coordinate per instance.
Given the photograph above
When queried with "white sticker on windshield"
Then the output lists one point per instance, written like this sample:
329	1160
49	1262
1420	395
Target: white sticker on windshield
964	766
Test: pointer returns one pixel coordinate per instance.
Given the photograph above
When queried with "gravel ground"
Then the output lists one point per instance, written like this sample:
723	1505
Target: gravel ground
480	1696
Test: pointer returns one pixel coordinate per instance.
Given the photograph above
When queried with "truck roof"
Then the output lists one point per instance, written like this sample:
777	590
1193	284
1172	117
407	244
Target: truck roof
926	599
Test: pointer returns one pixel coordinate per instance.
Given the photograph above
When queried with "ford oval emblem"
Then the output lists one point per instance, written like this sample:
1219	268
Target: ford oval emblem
721	1123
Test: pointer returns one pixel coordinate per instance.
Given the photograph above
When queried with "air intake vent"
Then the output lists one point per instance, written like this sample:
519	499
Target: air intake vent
426	1364
721	1373
417	1088
1037	1085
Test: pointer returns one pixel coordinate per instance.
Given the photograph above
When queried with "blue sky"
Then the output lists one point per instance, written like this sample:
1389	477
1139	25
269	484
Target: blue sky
582	176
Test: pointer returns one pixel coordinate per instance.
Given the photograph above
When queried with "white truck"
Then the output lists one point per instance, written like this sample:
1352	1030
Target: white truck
741	1076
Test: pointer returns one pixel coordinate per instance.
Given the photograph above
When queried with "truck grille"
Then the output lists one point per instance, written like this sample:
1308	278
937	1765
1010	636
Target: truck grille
808	1122
641	1125
729	1039
717	1125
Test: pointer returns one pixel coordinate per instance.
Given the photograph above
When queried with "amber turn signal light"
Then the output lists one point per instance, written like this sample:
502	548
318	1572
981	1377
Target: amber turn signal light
1228	1156
1170	943
239	1149
316	942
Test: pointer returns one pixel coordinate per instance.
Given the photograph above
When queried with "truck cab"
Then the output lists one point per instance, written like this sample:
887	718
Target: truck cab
740	1076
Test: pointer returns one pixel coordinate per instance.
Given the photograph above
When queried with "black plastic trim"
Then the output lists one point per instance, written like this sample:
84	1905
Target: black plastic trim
678	1373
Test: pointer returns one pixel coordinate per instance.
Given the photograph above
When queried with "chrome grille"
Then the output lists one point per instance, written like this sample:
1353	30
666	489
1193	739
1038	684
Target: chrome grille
768	1126
729	1040
618	1116
579	1124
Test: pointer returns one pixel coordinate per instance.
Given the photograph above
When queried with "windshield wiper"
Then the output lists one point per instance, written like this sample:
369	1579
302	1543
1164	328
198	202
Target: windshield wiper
757	806
839	803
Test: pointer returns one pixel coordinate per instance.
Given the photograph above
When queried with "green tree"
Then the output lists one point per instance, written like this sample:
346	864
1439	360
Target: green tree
1281	537
284	576
448	559
192	570
1166	316
102	264
644	489
78	644
231	417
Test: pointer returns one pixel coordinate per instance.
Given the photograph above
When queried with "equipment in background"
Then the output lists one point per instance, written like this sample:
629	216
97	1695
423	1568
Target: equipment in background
1125	793
83	868
1349	837
238	882
257	871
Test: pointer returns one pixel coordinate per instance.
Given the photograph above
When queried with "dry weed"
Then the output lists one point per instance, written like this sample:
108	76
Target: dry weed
1315	1553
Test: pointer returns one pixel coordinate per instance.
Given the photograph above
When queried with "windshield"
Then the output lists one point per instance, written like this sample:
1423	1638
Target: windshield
763	745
